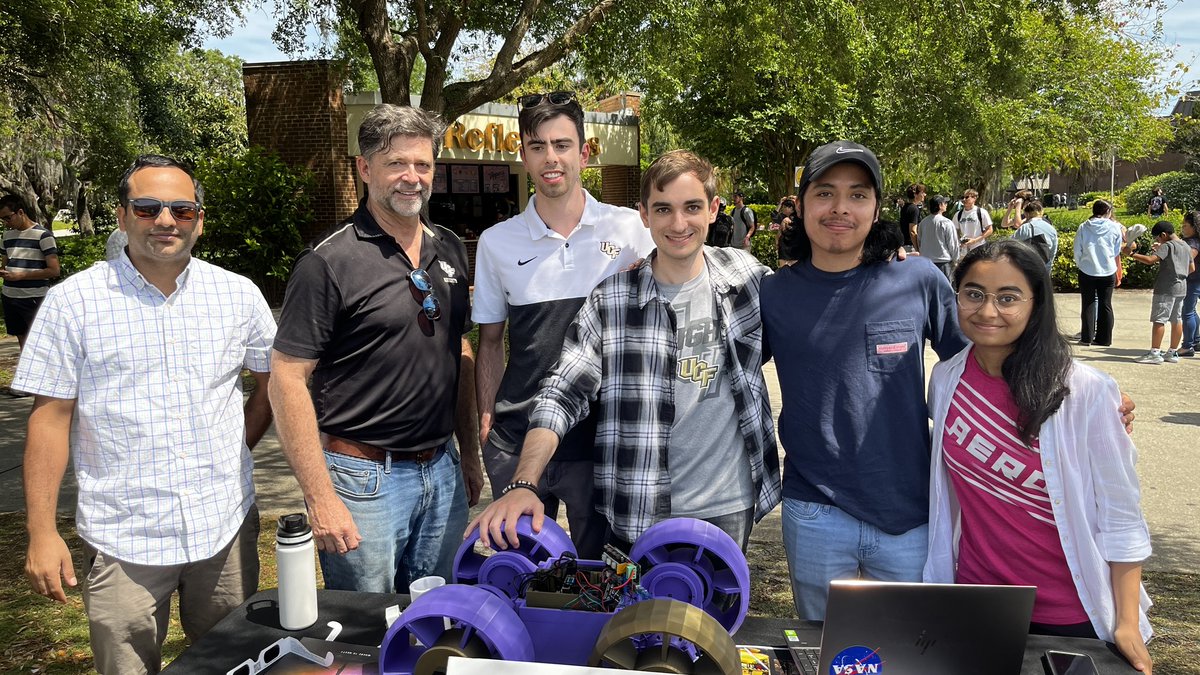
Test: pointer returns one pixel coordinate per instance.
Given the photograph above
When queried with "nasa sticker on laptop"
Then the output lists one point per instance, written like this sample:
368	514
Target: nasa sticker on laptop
856	660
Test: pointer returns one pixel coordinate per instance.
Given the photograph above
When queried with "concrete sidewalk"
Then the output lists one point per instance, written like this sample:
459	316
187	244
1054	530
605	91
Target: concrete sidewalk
1167	433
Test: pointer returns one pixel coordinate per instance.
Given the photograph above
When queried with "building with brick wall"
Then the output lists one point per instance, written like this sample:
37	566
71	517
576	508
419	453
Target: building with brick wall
299	110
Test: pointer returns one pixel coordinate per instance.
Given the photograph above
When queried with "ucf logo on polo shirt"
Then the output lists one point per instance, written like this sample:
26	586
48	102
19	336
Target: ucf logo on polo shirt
448	272
610	249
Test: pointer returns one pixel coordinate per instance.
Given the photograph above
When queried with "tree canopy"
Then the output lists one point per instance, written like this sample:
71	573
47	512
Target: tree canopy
968	88
85	85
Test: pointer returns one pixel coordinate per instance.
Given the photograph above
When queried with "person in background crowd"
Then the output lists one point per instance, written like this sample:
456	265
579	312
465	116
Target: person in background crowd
938	238
974	223
720	232
28	261
1098	243
1037	232
745	223
1157	206
136	367
783	219
1174	260
1064	514
1191	327
912	214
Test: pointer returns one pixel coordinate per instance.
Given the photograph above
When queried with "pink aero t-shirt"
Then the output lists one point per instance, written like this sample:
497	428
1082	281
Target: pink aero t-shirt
1008	532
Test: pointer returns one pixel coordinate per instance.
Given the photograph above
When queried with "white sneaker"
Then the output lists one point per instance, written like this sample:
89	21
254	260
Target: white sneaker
1134	232
1171	357
1149	358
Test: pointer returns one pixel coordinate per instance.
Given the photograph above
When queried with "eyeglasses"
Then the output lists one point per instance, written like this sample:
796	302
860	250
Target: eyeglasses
8	219
420	281
182	210
277	650
1005	302
554	97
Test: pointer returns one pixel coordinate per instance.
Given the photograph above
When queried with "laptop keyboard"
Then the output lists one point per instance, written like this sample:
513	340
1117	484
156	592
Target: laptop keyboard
808	659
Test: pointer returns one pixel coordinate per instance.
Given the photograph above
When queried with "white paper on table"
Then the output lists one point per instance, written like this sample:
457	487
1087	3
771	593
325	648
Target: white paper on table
457	665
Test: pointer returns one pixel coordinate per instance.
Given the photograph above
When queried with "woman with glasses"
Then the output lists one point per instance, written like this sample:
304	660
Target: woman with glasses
1029	486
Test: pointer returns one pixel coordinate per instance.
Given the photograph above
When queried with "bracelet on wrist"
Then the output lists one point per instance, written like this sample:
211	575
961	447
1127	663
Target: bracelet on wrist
519	484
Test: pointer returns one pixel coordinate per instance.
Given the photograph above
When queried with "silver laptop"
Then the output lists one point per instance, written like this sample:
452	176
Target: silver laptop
881	628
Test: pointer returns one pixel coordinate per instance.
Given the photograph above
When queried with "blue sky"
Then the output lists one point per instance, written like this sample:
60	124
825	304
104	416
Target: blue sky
1181	26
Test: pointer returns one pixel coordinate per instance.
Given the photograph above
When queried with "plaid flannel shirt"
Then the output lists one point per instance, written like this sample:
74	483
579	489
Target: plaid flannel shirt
620	355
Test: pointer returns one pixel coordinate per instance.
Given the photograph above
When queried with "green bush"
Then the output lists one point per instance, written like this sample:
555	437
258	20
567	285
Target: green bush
78	253
762	246
255	207
1182	190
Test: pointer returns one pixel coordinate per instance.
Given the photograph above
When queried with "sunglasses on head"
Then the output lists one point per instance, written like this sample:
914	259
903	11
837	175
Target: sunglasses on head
182	210
554	98
420	280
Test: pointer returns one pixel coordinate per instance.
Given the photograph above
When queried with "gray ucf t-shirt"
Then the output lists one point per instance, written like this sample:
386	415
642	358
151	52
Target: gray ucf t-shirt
1173	269
710	470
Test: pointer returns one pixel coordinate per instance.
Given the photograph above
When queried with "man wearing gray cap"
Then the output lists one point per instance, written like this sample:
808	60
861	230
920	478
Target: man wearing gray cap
847	328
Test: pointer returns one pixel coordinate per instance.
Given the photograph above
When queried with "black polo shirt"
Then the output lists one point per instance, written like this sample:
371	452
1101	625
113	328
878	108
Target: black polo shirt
386	374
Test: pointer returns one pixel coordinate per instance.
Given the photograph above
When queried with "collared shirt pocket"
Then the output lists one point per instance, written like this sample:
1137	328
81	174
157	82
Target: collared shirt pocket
890	343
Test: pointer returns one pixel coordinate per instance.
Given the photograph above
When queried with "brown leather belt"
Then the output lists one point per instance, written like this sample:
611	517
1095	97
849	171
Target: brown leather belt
345	446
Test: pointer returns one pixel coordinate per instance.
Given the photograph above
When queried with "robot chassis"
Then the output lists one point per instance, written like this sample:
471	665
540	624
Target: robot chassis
669	606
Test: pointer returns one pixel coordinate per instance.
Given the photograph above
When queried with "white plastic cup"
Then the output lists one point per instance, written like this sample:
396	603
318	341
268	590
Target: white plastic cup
423	585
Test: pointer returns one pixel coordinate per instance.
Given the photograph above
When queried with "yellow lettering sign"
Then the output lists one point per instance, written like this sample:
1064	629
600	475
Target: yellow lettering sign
474	139
454	136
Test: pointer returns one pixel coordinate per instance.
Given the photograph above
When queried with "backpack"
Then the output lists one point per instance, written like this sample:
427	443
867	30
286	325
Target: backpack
1040	243
720	233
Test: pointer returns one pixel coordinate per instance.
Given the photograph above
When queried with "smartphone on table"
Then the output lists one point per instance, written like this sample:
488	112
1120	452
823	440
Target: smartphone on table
1070	663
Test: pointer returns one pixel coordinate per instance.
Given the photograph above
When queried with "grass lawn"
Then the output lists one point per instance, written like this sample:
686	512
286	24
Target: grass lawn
38	636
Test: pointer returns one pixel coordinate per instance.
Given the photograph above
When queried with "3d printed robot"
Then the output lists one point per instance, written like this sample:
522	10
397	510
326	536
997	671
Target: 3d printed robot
669	606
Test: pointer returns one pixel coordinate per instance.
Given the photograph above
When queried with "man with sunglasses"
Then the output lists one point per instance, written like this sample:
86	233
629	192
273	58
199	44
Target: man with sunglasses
145	355
28	261
375	314
533	272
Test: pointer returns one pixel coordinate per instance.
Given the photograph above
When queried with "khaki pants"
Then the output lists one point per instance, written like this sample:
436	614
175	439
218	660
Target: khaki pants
128	605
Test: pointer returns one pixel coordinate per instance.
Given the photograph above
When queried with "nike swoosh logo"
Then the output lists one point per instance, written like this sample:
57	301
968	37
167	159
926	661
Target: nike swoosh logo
526	262
842	151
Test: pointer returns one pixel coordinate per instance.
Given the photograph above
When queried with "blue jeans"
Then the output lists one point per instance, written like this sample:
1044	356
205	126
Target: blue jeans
410	514
824	543
1191	326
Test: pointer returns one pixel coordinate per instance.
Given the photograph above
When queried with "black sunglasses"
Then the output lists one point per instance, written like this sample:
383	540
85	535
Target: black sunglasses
419	279
182	210
554	97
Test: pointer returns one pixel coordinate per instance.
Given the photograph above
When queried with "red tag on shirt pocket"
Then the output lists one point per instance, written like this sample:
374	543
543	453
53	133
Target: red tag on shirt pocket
892	348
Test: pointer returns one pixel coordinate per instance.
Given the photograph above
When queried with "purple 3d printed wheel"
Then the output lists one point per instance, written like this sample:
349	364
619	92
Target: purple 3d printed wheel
502	568
697	563
481	626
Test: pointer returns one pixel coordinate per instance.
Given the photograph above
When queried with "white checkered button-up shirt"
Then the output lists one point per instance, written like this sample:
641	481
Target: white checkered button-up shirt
158	436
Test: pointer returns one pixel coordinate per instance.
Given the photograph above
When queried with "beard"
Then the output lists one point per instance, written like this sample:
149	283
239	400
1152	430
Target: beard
405	208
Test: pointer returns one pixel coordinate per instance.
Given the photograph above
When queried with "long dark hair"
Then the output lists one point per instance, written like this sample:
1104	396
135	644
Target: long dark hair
1036	371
